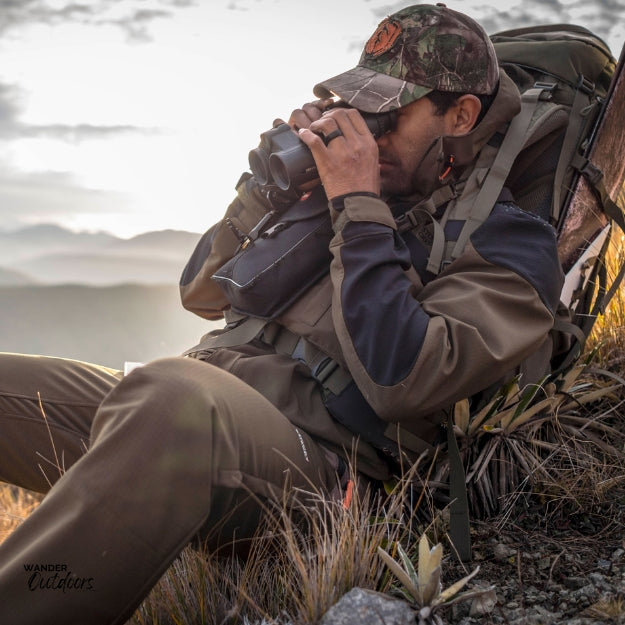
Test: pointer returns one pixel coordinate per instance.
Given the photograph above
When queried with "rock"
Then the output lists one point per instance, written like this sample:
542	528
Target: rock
574	582
360	606
484	603
502	552
618	554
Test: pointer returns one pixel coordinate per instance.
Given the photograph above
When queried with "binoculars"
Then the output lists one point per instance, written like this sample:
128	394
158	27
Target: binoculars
283	159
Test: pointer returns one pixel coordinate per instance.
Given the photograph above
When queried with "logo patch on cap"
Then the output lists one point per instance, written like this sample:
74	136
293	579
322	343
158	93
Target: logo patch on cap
383	38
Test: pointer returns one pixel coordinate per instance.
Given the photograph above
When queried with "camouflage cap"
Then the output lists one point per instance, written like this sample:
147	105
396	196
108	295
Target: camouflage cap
412	52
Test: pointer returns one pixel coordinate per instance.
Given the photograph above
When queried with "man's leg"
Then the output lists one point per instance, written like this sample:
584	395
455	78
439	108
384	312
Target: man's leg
47	407
166	441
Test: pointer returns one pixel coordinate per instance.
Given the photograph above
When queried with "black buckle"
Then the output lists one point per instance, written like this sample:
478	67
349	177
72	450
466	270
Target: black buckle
584	85
324	370
592	173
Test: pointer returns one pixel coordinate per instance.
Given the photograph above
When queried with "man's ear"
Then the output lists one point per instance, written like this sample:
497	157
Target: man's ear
464	114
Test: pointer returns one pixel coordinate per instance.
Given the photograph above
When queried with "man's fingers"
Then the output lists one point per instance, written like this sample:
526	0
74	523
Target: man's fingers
309	113
333	135
330	127
348	119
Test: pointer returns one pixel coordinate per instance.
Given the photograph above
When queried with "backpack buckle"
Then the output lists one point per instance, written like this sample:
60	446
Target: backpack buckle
547	89
324	370
584	85
591	172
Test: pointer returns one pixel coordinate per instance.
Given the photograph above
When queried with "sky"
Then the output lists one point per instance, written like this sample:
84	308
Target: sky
136	115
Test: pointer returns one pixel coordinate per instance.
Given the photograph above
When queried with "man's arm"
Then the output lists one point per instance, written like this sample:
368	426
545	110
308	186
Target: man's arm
415	349
199	293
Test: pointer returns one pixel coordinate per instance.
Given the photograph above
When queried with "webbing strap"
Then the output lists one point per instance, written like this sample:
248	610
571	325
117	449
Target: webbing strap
240	334
594	176
613	289
459	529
567	327
573	131
332	377
576	349
493	184
418	218
406	221
610	207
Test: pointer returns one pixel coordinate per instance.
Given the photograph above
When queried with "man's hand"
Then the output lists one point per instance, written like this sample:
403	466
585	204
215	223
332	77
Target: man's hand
310	112
345	152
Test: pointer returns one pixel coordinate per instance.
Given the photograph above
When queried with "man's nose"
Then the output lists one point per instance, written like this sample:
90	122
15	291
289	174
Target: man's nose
382	139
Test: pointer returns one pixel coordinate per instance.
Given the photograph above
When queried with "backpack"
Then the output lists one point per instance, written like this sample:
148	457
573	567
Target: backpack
566	76
564	73
577	70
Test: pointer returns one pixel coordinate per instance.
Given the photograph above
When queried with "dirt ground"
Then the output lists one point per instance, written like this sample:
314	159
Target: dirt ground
566	568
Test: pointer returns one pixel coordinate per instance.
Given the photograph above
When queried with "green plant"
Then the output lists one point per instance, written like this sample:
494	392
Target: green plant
423	588
560	439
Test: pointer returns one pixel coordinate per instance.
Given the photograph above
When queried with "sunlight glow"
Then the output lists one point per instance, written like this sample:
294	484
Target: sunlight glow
163	122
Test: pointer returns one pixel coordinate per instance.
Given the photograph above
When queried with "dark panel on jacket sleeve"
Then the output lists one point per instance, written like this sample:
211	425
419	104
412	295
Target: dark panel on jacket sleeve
385	322
525	244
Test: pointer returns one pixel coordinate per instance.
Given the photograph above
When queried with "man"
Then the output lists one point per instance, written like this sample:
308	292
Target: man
367	358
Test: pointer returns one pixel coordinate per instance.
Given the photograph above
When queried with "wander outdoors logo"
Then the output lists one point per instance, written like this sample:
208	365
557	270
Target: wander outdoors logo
56	577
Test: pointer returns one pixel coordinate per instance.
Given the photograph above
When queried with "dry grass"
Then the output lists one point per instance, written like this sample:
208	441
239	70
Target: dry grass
15	505
301	563
299	566
565	446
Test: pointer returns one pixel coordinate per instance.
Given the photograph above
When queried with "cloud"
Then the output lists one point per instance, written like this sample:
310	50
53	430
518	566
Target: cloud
137	24
10	104
35	197
76	133
130	15
12	128
603	17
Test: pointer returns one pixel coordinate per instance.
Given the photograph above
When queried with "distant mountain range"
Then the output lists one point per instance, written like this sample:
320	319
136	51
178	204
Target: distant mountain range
49	254
95	297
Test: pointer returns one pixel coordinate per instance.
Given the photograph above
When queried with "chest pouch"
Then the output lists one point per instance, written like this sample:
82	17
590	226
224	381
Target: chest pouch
272	271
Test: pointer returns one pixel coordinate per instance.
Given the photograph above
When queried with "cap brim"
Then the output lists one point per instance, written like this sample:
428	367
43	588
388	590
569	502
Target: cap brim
370	91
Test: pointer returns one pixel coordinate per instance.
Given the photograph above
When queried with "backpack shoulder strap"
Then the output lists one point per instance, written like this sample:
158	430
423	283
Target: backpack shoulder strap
482	204
481	190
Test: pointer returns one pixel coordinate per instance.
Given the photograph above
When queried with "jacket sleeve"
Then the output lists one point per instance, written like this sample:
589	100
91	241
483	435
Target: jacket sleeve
414	349
199	293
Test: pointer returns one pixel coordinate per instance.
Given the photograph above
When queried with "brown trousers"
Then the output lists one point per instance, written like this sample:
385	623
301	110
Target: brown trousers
147	462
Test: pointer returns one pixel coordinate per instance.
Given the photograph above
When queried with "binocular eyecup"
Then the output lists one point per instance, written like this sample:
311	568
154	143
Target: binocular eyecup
283	159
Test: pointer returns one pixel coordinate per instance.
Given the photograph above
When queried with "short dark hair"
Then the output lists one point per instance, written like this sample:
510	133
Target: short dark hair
444	100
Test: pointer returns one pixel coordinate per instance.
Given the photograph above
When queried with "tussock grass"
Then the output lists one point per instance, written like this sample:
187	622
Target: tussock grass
565	447
300	564
15	505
